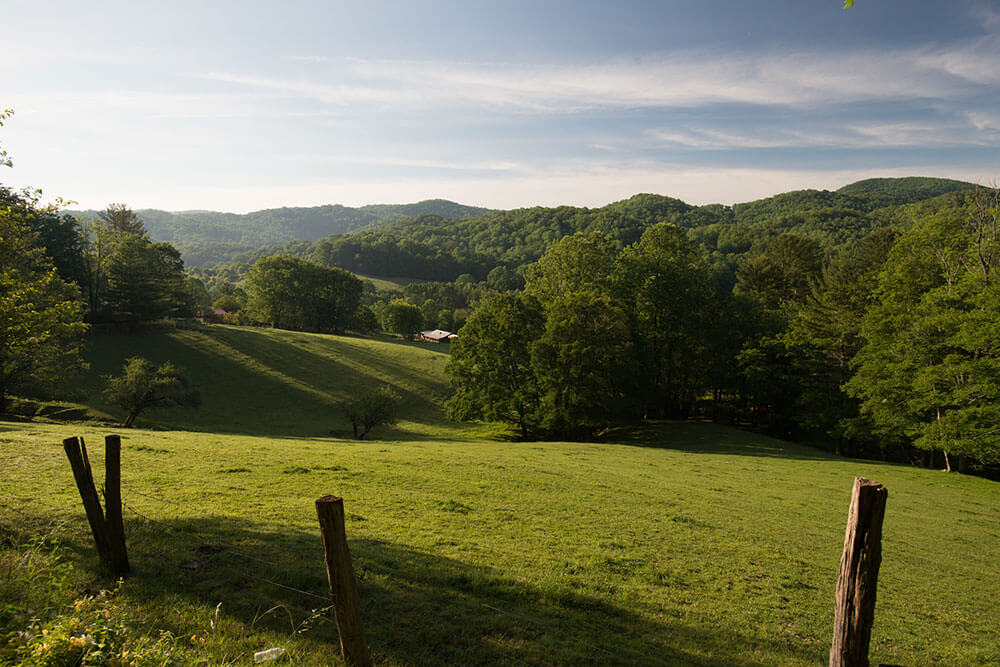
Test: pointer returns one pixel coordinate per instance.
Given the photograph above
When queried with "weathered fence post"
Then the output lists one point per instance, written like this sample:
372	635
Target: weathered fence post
113	503
858	580
76	452
108	532
343	588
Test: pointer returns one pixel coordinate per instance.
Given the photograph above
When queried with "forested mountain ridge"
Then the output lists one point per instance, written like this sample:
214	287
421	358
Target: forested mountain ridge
209	237
879	192
433	247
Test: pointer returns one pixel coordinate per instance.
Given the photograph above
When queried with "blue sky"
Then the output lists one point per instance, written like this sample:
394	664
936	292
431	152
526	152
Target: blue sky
239	106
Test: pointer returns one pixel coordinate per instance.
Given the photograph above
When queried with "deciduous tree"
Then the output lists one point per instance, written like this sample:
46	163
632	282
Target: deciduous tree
401	318
41	324
142	385
370	409
293	293
930	365
491	367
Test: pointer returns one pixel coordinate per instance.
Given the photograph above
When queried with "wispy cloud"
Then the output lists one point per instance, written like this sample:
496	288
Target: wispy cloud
987	15
678	80
971	129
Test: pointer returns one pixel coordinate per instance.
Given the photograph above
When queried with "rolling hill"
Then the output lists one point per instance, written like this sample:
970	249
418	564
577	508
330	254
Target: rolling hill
208	237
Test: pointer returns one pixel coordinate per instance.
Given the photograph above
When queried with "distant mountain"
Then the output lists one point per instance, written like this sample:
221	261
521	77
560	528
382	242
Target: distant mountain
880	192
439	239
433	247
208	237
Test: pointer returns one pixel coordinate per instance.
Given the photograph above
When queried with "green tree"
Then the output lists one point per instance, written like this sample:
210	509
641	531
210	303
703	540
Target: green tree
779	272
929	369
293	293
583	363
401	318
146	281
664	282
5	160
490	365
142	385
370	409
41	325
65	245
364	320
826	334
122	219
573	263
195	293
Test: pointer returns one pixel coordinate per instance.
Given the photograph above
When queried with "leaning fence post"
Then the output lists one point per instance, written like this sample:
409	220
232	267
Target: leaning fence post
343	588
113	503
856	586
78	461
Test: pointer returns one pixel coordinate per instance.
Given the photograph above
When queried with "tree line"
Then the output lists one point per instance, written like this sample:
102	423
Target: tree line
885	345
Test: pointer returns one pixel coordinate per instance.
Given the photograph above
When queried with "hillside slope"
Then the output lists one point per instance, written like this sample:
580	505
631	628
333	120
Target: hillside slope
268	381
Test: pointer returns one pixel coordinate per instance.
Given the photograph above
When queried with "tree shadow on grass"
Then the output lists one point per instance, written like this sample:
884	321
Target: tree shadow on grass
270	383
708	438
417	607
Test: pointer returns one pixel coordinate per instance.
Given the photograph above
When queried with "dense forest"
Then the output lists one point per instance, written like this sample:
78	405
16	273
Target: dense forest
439	248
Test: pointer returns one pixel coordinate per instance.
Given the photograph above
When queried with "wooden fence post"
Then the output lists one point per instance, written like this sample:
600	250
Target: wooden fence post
856	586
110	549
343	587
113	503
78	461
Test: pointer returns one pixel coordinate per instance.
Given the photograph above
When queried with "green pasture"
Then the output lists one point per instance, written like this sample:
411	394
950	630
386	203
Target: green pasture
281	383
670	543
390	283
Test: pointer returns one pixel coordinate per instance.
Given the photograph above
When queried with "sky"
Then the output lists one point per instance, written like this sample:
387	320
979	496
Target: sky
240	106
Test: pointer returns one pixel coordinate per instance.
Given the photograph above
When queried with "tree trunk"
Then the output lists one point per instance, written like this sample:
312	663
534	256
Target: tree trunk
963	464
947	462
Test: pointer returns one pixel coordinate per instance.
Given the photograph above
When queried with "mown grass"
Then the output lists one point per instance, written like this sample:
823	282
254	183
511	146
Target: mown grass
677	543
281	383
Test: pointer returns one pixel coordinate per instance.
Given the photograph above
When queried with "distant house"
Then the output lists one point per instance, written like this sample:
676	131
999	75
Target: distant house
437	336
211	314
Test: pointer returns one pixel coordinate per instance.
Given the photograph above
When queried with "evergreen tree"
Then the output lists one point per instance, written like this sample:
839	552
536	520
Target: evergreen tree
122	219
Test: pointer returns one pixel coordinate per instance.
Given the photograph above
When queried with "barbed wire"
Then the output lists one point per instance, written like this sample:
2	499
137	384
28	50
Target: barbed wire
224	547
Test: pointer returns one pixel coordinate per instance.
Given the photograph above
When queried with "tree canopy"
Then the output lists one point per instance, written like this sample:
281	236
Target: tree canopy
292	293
41	316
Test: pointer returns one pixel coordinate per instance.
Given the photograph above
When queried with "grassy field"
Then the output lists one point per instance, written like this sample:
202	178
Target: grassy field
282	383
390	283
673	543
